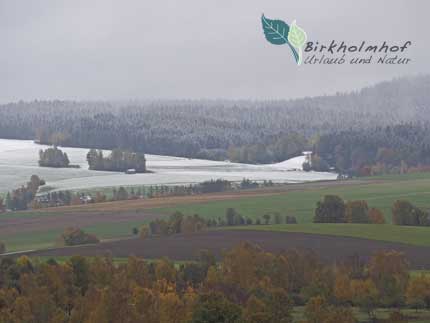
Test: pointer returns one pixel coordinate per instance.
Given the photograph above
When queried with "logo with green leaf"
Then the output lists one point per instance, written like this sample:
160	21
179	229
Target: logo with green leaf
278	32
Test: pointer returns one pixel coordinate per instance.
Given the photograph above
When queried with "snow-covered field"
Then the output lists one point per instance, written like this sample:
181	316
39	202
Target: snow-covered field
18	161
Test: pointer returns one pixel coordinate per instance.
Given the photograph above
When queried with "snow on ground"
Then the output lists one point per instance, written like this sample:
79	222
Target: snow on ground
290	164
18	161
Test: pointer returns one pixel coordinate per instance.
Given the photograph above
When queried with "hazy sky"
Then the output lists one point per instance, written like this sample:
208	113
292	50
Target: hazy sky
131	49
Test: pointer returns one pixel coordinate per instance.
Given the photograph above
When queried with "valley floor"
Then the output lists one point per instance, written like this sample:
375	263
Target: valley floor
188	246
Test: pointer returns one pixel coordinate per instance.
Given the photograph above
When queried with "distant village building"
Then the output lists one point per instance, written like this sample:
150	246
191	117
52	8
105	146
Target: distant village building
308	157
86	199
44	200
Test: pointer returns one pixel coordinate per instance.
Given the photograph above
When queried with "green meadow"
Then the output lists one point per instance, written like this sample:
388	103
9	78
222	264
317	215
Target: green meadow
379	192
47	239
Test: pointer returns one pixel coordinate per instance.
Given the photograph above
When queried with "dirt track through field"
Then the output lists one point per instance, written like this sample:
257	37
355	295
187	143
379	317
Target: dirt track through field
187	247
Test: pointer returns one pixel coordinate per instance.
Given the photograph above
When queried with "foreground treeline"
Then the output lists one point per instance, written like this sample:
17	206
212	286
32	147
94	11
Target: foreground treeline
247	285
333	209
380	129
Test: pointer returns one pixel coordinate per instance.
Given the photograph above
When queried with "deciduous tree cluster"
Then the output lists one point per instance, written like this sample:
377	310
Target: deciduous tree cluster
404	213
75	236
179	223
247	285
176	223
333	209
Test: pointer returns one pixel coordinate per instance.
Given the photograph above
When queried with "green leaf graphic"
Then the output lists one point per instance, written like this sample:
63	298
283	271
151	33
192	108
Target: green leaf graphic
297	38
296	35
276	32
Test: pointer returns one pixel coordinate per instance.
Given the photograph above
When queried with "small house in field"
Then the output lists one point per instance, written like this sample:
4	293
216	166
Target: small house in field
85	199
130	171
308	157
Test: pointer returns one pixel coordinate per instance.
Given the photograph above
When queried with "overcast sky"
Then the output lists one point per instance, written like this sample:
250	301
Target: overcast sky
139	49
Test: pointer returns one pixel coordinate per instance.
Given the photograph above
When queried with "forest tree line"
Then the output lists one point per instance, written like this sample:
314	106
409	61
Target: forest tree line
66	197
23	197
248	285
333	209
179	223
117	161
383	128
394	149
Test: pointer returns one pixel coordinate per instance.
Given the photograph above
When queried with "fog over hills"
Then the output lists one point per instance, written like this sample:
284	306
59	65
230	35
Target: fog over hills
105	49
213	128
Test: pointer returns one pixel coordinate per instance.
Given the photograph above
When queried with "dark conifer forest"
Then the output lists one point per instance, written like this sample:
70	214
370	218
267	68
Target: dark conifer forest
379	129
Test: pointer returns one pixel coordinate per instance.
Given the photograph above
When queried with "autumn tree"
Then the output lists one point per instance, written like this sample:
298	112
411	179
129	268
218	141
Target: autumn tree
365	295
144	231
320	284
171	307
190	224
81	272
331	209
389	272
76	236
376	216
248	285
342	288
256	311
216	308
404	213
165	270
357	212
244	265
316	310
177	223
418	292
146	304
100	197
279	305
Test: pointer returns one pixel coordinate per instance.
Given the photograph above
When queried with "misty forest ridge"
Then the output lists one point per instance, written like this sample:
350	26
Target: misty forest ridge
389	120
